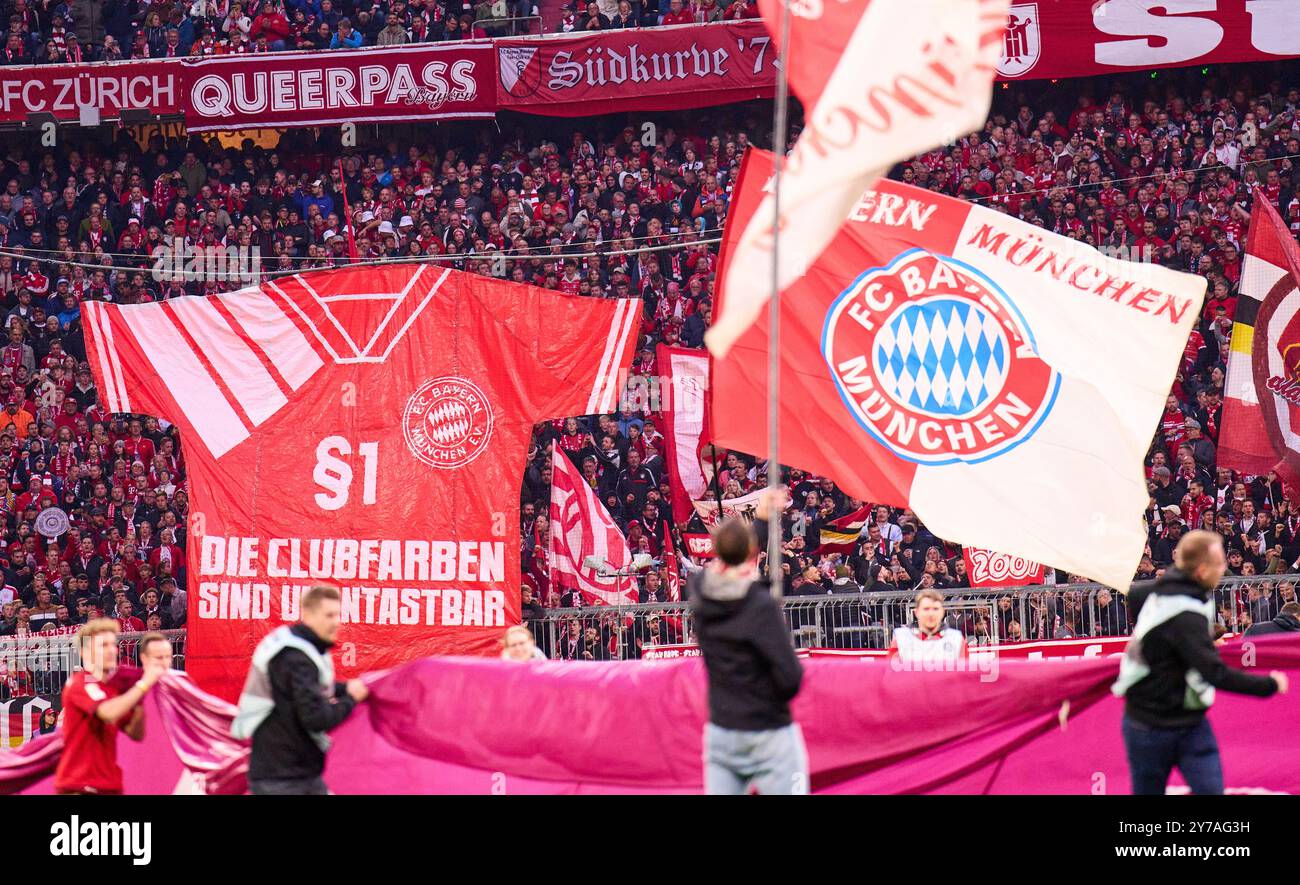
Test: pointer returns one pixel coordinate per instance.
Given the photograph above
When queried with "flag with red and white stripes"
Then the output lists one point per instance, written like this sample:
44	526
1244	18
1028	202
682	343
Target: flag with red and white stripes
581	527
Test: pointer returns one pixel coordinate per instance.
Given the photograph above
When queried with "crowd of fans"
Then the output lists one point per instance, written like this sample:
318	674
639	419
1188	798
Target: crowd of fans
75	31
1166	166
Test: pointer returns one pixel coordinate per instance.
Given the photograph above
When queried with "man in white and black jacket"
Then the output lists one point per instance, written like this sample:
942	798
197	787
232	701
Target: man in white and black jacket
751	741
291	699
1171	669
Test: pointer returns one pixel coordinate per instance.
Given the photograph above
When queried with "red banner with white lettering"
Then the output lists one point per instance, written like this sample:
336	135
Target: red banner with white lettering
988	569
643	69
688	66
102	90
1081	38
698	544
423	82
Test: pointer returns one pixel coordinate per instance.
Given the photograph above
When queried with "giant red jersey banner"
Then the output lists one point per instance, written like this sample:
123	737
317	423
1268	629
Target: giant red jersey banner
1261	404
657	69
1001	380
365	427
103	90
391	85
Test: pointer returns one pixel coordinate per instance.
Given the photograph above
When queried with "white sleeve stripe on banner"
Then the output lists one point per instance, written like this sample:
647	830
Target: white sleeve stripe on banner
610	396
306	319
599	383
410	320
397	302
115	362
209	412
92	312
258	352
231	358
267	325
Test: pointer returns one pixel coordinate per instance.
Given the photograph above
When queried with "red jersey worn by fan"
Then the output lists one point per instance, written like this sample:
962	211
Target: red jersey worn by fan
89	760
365	427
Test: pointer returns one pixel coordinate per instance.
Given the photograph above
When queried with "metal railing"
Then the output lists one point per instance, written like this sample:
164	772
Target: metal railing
509	25
39	663
868	620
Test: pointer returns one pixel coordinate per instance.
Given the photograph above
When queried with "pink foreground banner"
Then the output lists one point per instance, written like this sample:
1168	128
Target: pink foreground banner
468	725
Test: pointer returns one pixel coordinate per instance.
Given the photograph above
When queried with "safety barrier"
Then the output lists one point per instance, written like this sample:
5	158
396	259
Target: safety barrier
39	663
510	25
867	620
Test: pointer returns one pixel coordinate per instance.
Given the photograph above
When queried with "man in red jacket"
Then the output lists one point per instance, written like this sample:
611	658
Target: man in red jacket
273	25
677	15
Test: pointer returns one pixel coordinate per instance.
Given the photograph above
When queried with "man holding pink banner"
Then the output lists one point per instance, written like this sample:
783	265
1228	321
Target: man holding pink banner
1171	670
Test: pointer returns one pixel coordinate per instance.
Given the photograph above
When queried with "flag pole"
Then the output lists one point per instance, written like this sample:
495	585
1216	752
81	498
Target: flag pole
780	138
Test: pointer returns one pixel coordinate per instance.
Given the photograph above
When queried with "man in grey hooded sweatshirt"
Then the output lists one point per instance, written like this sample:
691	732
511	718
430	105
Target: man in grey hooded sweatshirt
751	741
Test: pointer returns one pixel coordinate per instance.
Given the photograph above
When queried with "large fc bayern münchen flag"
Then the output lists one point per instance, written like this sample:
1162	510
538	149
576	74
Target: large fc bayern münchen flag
1001	380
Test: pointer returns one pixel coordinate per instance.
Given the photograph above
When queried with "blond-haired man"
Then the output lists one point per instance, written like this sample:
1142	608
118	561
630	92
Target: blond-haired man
929	640
95	709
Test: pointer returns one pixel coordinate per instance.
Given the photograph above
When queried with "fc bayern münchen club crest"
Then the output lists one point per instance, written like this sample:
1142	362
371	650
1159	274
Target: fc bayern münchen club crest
447	422
935	362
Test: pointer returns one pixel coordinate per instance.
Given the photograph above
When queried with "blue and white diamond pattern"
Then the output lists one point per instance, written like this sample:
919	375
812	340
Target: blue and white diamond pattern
942	356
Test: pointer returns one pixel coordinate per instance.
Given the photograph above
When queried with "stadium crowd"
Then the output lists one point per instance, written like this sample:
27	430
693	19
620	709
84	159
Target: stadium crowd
75	31
1160	167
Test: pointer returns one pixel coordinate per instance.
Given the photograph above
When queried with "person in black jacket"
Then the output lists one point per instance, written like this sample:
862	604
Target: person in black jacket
751	740
1287	621
288	754
1170	669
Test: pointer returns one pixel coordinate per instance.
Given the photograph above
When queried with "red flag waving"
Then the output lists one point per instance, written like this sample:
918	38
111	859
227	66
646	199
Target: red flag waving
581	527
1261	408
674	576
686	423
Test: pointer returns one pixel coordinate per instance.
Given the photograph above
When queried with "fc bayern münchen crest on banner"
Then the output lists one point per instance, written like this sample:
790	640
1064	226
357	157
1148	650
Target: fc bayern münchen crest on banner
935	362
1022	43
447	422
